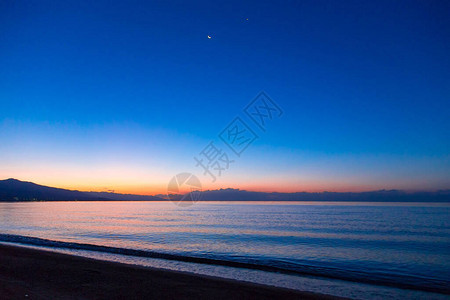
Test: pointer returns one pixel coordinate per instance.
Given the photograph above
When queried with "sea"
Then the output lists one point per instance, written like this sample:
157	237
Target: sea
348	249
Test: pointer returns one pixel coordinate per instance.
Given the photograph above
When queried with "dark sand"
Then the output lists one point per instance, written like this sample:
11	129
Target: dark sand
35	274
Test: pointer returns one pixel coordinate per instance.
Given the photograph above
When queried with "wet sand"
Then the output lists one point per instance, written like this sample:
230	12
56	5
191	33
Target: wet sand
36	274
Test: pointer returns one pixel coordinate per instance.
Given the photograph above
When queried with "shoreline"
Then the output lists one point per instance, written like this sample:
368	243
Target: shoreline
41	274
16	240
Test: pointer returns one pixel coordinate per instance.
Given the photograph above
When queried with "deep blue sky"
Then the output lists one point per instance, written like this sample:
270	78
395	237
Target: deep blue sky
122	95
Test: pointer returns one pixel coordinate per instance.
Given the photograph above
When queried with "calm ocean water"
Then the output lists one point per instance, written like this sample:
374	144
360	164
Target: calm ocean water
377	244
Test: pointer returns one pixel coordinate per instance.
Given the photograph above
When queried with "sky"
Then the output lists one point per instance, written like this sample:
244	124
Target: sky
122	96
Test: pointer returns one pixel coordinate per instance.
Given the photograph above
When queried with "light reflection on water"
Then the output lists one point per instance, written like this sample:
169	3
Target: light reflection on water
394	238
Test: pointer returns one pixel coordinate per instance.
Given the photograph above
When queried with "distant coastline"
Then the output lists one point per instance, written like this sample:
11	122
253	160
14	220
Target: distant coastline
13	190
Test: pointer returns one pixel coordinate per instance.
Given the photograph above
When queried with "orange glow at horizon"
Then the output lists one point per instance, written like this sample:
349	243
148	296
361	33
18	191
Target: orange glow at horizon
139	180
147	189
159	186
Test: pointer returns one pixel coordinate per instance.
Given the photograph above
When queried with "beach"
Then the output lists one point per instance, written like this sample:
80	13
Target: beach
37	274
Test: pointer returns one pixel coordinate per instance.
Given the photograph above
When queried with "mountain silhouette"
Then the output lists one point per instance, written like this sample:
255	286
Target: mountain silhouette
16	190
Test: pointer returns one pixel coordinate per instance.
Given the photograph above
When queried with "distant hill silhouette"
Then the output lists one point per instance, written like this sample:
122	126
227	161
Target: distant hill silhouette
372	196
16	190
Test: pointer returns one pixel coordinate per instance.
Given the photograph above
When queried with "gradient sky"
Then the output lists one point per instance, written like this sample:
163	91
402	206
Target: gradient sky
98	95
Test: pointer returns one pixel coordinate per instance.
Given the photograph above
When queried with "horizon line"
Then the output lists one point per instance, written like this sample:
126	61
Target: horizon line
244	190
